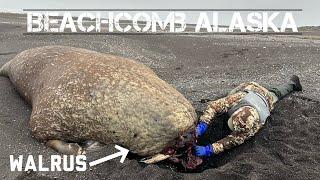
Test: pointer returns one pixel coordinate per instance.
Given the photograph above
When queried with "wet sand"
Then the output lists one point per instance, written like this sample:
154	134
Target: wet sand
201	67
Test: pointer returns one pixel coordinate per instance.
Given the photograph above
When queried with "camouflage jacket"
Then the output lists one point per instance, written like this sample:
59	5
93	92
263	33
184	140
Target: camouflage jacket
245	120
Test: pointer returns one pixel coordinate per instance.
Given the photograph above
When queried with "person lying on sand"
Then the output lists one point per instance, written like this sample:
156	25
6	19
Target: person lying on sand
248	107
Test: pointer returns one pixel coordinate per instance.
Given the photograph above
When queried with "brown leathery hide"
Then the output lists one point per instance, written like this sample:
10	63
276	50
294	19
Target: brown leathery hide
78	95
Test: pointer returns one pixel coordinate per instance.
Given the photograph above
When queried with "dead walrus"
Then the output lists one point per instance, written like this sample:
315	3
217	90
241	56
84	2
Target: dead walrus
79	95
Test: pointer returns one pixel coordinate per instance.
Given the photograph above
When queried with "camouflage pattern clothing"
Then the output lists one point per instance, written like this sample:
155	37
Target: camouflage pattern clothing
245	121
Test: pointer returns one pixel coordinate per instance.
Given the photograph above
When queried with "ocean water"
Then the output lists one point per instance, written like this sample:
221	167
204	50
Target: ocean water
309	15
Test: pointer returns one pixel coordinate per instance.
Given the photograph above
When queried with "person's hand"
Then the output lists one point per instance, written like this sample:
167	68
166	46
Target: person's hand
204	150
201	128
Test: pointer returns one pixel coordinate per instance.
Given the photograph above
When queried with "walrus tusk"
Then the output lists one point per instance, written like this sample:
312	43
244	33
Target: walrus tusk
154	159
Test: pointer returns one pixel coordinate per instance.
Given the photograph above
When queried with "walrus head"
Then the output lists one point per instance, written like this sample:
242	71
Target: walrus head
181	152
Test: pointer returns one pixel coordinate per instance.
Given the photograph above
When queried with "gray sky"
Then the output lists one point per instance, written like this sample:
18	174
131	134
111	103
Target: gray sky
309	16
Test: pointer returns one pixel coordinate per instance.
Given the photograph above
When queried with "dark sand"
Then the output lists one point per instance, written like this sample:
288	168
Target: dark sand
200	67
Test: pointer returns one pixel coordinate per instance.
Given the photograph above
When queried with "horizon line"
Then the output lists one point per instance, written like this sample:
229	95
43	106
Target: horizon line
249	9
163	33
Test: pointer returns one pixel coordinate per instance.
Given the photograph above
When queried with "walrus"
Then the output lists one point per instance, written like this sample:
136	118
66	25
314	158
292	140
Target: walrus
79	95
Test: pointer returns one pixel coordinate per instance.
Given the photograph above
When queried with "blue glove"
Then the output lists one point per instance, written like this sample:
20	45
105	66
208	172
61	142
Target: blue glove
204	150
201	128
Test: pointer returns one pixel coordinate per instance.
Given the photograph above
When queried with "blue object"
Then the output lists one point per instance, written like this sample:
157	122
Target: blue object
204	150
201	128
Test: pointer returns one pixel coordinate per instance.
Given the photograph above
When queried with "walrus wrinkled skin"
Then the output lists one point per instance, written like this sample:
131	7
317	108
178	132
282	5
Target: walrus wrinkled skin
79	95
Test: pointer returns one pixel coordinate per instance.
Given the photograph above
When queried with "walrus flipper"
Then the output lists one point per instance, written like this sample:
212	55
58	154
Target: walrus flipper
3	70
65	148
91	146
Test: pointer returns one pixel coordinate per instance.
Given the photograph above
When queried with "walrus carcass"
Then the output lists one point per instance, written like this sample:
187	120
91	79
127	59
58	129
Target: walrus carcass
78	95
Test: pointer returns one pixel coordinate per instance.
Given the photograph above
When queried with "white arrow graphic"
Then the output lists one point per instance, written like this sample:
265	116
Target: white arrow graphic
123	152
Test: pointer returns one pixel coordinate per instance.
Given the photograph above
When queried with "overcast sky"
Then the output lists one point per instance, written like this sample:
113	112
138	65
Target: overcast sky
309	16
